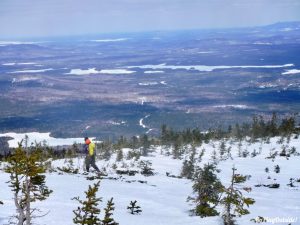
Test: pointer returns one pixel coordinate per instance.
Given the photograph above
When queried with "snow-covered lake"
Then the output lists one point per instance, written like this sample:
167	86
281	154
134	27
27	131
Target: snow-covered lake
292	71
95	71
34	137
110	40
205	68
32	71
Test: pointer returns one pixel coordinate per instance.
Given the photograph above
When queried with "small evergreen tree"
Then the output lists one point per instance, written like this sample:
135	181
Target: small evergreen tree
88	211
120	155
277	169
146	169
201	154
27	182
214	157
292	181
108	220
234	202
240	151
177	147
207	188
145	145
188	166
245	153
222	149
134	208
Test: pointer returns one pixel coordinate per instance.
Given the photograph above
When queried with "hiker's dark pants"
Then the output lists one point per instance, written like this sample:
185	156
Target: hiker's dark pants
90	161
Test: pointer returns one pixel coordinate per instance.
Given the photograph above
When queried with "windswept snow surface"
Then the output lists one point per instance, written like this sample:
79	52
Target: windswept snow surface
39	138
162	198
204	68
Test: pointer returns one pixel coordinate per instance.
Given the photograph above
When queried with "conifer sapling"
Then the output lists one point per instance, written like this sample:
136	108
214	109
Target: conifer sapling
234	201
108	220
27	182
134	208
88	211
207	189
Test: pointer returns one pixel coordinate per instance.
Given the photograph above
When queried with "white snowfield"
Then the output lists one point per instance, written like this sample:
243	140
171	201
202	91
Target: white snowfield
203	68
163	199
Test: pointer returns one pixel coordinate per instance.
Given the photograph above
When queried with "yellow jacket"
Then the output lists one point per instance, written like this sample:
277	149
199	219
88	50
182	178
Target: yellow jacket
92	147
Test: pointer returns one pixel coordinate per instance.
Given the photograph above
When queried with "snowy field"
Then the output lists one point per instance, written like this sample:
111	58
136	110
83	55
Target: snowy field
163	198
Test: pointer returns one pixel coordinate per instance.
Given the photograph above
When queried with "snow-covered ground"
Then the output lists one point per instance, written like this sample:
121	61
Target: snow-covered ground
163	198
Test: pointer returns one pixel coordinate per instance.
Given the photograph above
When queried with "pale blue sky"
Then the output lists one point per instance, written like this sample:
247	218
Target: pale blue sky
35	18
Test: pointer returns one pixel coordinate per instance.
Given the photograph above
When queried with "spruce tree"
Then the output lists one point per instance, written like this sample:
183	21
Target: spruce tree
222	149
27	182
108	220
146	169
277	169
233	201
188	165
145	145
88	211
214	157
207	189
134	208
120	155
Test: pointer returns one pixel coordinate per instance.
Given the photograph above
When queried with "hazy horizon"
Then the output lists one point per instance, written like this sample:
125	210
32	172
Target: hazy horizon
55	18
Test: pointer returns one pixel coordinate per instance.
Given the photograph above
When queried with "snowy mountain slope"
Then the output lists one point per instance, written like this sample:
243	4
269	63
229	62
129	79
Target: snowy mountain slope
163	198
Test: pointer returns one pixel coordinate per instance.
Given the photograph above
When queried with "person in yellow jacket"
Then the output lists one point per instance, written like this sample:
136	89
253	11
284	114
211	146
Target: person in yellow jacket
90	159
